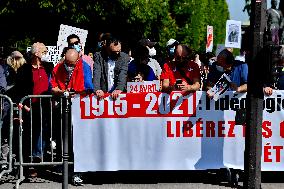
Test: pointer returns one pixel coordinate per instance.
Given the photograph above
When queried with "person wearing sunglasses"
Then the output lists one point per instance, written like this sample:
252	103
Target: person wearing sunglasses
74	42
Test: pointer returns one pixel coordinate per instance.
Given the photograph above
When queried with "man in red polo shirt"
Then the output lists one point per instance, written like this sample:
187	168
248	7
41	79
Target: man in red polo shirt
33	79
182	74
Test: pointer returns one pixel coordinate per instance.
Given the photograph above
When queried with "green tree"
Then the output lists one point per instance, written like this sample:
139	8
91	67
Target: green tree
160	20
194	16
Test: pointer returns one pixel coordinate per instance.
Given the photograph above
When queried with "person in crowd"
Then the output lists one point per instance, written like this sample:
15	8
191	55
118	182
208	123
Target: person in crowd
181	74
110	69
207	59
237	71
103	37
33	78
153	63
73	41
14	62
263	71
171	46
4	119
138	69
71	75
3	81
242	56
274	18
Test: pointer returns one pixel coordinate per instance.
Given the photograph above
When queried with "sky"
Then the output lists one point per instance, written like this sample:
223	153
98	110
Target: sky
236	10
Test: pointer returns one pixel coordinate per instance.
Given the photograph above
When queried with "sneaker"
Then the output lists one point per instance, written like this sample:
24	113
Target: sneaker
77	181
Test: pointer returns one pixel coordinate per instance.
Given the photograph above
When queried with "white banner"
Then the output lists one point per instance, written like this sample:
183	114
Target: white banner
158	131
209	44
233	34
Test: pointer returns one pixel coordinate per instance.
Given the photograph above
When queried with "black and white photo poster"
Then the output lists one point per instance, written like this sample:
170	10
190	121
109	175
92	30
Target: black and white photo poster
233	34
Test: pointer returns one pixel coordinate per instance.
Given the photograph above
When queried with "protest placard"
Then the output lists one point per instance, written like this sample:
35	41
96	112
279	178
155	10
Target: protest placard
222	85
233	34
209	44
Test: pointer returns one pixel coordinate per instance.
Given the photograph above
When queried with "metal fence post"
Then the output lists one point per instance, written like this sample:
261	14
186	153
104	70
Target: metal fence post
253	140
66	125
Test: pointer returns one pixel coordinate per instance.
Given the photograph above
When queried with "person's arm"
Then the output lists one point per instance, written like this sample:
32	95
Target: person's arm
244	79
196	77
57	91
190	88
242	89
166	86
54	85
97	73
122	75
267	91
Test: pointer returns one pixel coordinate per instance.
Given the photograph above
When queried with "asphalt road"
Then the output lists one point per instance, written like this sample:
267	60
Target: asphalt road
48	179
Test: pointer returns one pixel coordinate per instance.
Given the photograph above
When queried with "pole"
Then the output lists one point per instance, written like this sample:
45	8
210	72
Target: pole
253	140
66	125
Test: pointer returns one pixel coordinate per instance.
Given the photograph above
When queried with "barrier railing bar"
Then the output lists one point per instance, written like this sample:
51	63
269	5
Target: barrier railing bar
31	131
51	122
41	141
10	137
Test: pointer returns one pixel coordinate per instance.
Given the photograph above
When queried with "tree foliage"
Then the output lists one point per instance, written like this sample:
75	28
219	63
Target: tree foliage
159	20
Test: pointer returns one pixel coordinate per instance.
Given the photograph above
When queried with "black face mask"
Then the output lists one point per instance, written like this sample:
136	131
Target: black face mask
114	56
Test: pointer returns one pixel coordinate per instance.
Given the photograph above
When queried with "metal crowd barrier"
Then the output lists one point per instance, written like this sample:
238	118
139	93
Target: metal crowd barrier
6	134
41	124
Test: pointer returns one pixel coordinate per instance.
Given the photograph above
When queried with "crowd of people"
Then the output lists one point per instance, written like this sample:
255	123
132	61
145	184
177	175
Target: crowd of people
108	71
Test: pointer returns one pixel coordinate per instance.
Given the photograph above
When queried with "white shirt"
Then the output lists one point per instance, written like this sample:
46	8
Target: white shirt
154	64
111	65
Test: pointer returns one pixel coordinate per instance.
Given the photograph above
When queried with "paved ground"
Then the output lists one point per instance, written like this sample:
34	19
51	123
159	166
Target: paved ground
144	180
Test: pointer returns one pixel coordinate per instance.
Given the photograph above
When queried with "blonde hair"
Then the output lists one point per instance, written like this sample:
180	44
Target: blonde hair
15	63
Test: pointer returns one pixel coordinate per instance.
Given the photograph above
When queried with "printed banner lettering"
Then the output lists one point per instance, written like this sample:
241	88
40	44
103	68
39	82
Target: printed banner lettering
159	131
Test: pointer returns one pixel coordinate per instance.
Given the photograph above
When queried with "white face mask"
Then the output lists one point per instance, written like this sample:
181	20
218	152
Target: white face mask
211	61
152	51
45	58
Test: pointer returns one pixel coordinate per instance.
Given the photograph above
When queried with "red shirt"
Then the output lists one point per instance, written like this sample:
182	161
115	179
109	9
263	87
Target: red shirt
40	80
170	72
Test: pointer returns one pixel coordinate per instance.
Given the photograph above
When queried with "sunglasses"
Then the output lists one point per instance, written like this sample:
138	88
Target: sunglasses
75	43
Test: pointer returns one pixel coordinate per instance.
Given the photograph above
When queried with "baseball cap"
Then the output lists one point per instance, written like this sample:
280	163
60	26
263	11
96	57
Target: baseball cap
171	42
147	42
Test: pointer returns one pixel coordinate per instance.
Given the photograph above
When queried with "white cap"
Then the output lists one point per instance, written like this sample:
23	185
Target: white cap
170	42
